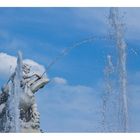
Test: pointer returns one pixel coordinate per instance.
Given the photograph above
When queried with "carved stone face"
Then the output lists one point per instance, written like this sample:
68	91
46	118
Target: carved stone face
26	68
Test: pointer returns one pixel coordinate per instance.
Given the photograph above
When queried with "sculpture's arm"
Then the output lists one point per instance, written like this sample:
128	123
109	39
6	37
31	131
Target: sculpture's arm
31	76
31	79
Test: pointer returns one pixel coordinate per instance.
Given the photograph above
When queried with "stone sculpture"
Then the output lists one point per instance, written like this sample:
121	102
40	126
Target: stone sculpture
29	117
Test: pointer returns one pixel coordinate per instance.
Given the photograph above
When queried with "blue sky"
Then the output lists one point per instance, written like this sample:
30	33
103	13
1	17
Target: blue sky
72	101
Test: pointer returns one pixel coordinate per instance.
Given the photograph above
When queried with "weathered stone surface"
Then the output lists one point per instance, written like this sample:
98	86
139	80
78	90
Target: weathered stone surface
29	115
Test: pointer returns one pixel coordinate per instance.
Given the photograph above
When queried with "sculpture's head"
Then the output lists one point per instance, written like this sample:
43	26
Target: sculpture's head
26	68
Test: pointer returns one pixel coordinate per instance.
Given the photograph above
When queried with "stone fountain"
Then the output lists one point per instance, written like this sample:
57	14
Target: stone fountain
18	108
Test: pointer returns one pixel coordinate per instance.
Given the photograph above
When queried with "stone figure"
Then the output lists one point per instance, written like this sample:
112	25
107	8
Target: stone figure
29	116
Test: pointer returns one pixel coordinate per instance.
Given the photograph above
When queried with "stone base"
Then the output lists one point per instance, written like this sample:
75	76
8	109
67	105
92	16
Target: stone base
29	130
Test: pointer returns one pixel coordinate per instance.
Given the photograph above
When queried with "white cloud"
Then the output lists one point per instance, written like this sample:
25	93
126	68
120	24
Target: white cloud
8	64
77	108
59	80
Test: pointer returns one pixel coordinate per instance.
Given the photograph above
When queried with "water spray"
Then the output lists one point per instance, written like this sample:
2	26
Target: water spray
109	70
117	26
15	91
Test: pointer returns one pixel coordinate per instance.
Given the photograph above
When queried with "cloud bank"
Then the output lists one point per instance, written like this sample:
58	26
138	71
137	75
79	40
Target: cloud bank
76	108
8	64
